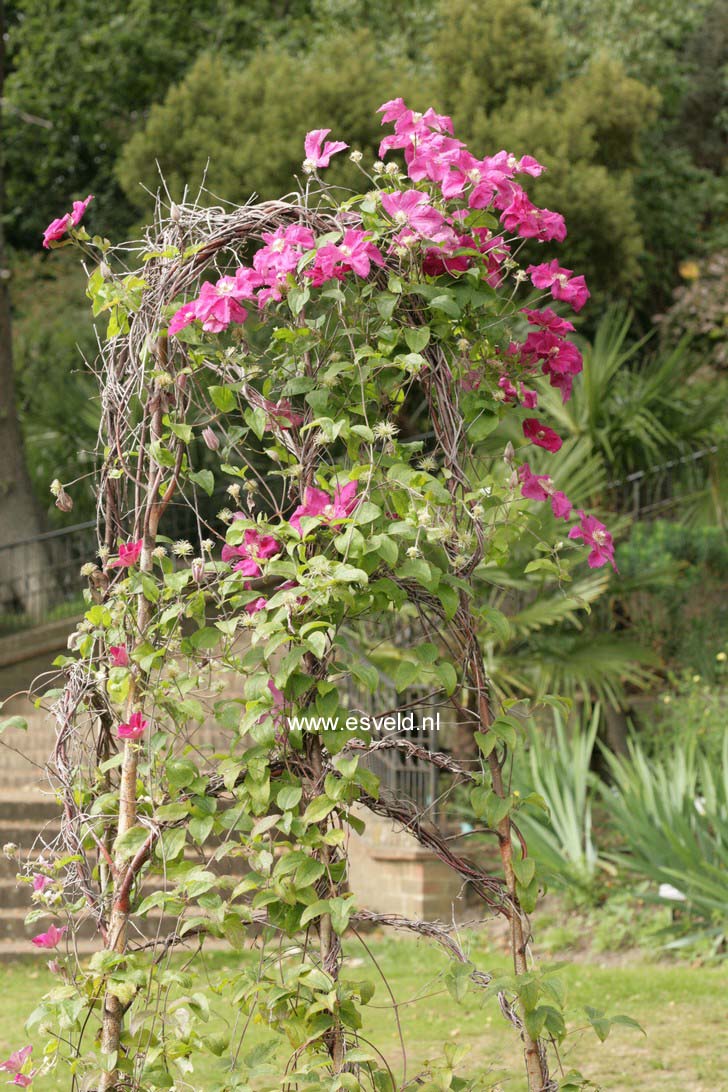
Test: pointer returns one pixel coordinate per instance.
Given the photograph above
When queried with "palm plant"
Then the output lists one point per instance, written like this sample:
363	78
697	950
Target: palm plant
634	411
673	816
558	769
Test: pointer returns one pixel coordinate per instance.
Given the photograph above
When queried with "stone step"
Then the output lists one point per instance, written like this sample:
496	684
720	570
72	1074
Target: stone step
35	806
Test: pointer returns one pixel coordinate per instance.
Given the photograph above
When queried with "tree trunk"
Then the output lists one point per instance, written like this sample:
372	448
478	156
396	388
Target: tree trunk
23	581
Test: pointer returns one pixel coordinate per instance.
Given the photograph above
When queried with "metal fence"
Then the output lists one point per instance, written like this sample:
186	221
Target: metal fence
40	576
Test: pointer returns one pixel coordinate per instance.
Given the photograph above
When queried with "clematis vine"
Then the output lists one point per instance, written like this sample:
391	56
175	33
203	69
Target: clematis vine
562	283
596	536
17	1064
129	554
320	505
51	938
134	728
540	487
318	150
254	549
58	228
119	656
541	435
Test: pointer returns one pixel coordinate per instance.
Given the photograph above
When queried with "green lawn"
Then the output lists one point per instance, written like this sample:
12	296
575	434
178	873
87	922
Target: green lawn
683	1008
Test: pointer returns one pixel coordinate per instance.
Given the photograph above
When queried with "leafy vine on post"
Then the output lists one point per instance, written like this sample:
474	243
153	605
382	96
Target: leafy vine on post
350	369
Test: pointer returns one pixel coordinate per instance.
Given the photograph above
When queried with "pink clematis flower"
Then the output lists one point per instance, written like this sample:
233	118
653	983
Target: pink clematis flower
119	656
281	415
541	434
595	535
16	1061
254	548
40	882
540	487
530	222
356	253
318	151
412	211
79	208
129	554
50	939
549	320
183	316
256	605
317	504
58	228
563	285
134	728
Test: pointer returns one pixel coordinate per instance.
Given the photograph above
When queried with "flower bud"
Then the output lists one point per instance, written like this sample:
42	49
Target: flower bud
175	213
509	454
198	570
211	438
63	501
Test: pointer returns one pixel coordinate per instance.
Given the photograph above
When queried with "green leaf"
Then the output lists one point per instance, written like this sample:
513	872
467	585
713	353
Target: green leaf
205	479
318	809
223	398
20	723
417	337
289	797
524	870
171	844
180	773
128	843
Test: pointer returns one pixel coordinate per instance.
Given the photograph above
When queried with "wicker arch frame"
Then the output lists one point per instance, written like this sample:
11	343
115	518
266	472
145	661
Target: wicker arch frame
132	505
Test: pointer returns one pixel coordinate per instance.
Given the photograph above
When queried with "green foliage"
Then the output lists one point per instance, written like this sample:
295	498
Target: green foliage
672	586
247	124
57	401
558	768
672	813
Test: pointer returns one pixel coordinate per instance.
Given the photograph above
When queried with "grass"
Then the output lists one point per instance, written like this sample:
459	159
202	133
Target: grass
683	1008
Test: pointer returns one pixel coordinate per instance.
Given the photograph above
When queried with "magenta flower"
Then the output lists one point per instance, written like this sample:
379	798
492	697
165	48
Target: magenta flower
119	656
541	434
595	535
218	305
79	208
280	256
58	228
563	285
319	505
16	1061
254	548
549	320
510	394
412	211
522	216
281	415
129	553
51	938
40	882
134	728
23	1080
529	398
540	487
318	153
354	253
184	316
256	605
